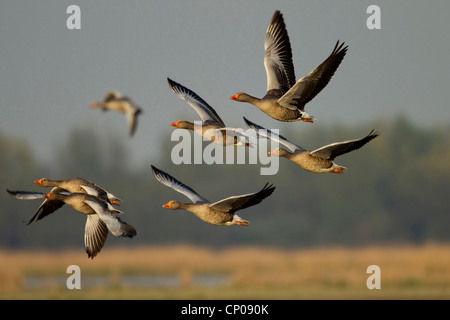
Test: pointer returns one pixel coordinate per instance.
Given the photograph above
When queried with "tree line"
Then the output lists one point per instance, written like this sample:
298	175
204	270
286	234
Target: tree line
395	191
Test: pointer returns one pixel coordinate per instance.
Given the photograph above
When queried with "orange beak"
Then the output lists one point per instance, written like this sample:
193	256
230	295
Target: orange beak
241	223
47	196
273	152
94	105
114	202
167	205
38	182
235	97
174	124
308	120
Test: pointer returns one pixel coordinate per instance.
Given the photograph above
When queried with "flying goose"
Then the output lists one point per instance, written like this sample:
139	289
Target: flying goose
101	218
114	100
317	161
285	98
219	213
47	206
79	185
212	127
101	215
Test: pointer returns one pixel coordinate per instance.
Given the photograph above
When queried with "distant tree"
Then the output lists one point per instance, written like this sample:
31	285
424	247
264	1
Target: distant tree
395	190
81	155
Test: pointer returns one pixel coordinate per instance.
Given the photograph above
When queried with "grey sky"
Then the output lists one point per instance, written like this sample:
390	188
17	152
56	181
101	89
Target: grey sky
49	75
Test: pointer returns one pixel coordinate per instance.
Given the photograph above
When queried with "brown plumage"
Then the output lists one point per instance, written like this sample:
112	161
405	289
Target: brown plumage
79	185
101	219
101	215
285	98
114	100
221	213
317	161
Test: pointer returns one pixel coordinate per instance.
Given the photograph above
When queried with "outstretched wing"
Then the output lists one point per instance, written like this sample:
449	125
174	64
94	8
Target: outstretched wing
272	135
95	235
176	185
112	95
26	195
333	150
47	206
235	203
278	57
204	110
112	221
310	85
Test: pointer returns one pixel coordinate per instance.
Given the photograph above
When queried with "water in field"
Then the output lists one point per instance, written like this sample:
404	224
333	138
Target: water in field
130	280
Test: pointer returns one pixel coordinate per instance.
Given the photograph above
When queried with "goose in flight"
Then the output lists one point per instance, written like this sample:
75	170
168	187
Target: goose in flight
318	161
286	98
212	127
79	185
220	213
114	100
102	217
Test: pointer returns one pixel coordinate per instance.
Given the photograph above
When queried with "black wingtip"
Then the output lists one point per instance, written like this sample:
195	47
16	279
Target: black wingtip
172	84
277	13
159	174
155	170
247	122
340	49
269	187
252	125
374	133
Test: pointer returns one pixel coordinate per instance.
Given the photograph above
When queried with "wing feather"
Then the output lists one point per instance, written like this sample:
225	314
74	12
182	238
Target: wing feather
306	88
278	57
272	135
95	235
204	110
178	186
114	224
235	203
334	150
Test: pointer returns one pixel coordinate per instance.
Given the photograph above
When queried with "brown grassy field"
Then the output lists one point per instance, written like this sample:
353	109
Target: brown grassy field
407	272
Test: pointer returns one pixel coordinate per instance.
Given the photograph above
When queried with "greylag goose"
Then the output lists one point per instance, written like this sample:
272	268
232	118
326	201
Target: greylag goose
79	185
114	100
317	161
212	128
220	213
285	98
101	218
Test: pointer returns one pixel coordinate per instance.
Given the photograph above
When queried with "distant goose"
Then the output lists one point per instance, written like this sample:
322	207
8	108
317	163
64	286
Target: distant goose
317	161
114	100
285	98
221	213
81	186
212	127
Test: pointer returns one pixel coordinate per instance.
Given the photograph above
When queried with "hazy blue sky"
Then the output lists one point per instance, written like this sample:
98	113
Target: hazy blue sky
49	75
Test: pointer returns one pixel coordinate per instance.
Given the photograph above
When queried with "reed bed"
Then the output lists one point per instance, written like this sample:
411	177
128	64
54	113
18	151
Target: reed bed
252	272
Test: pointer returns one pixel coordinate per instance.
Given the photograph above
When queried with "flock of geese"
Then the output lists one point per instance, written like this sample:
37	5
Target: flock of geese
285	101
